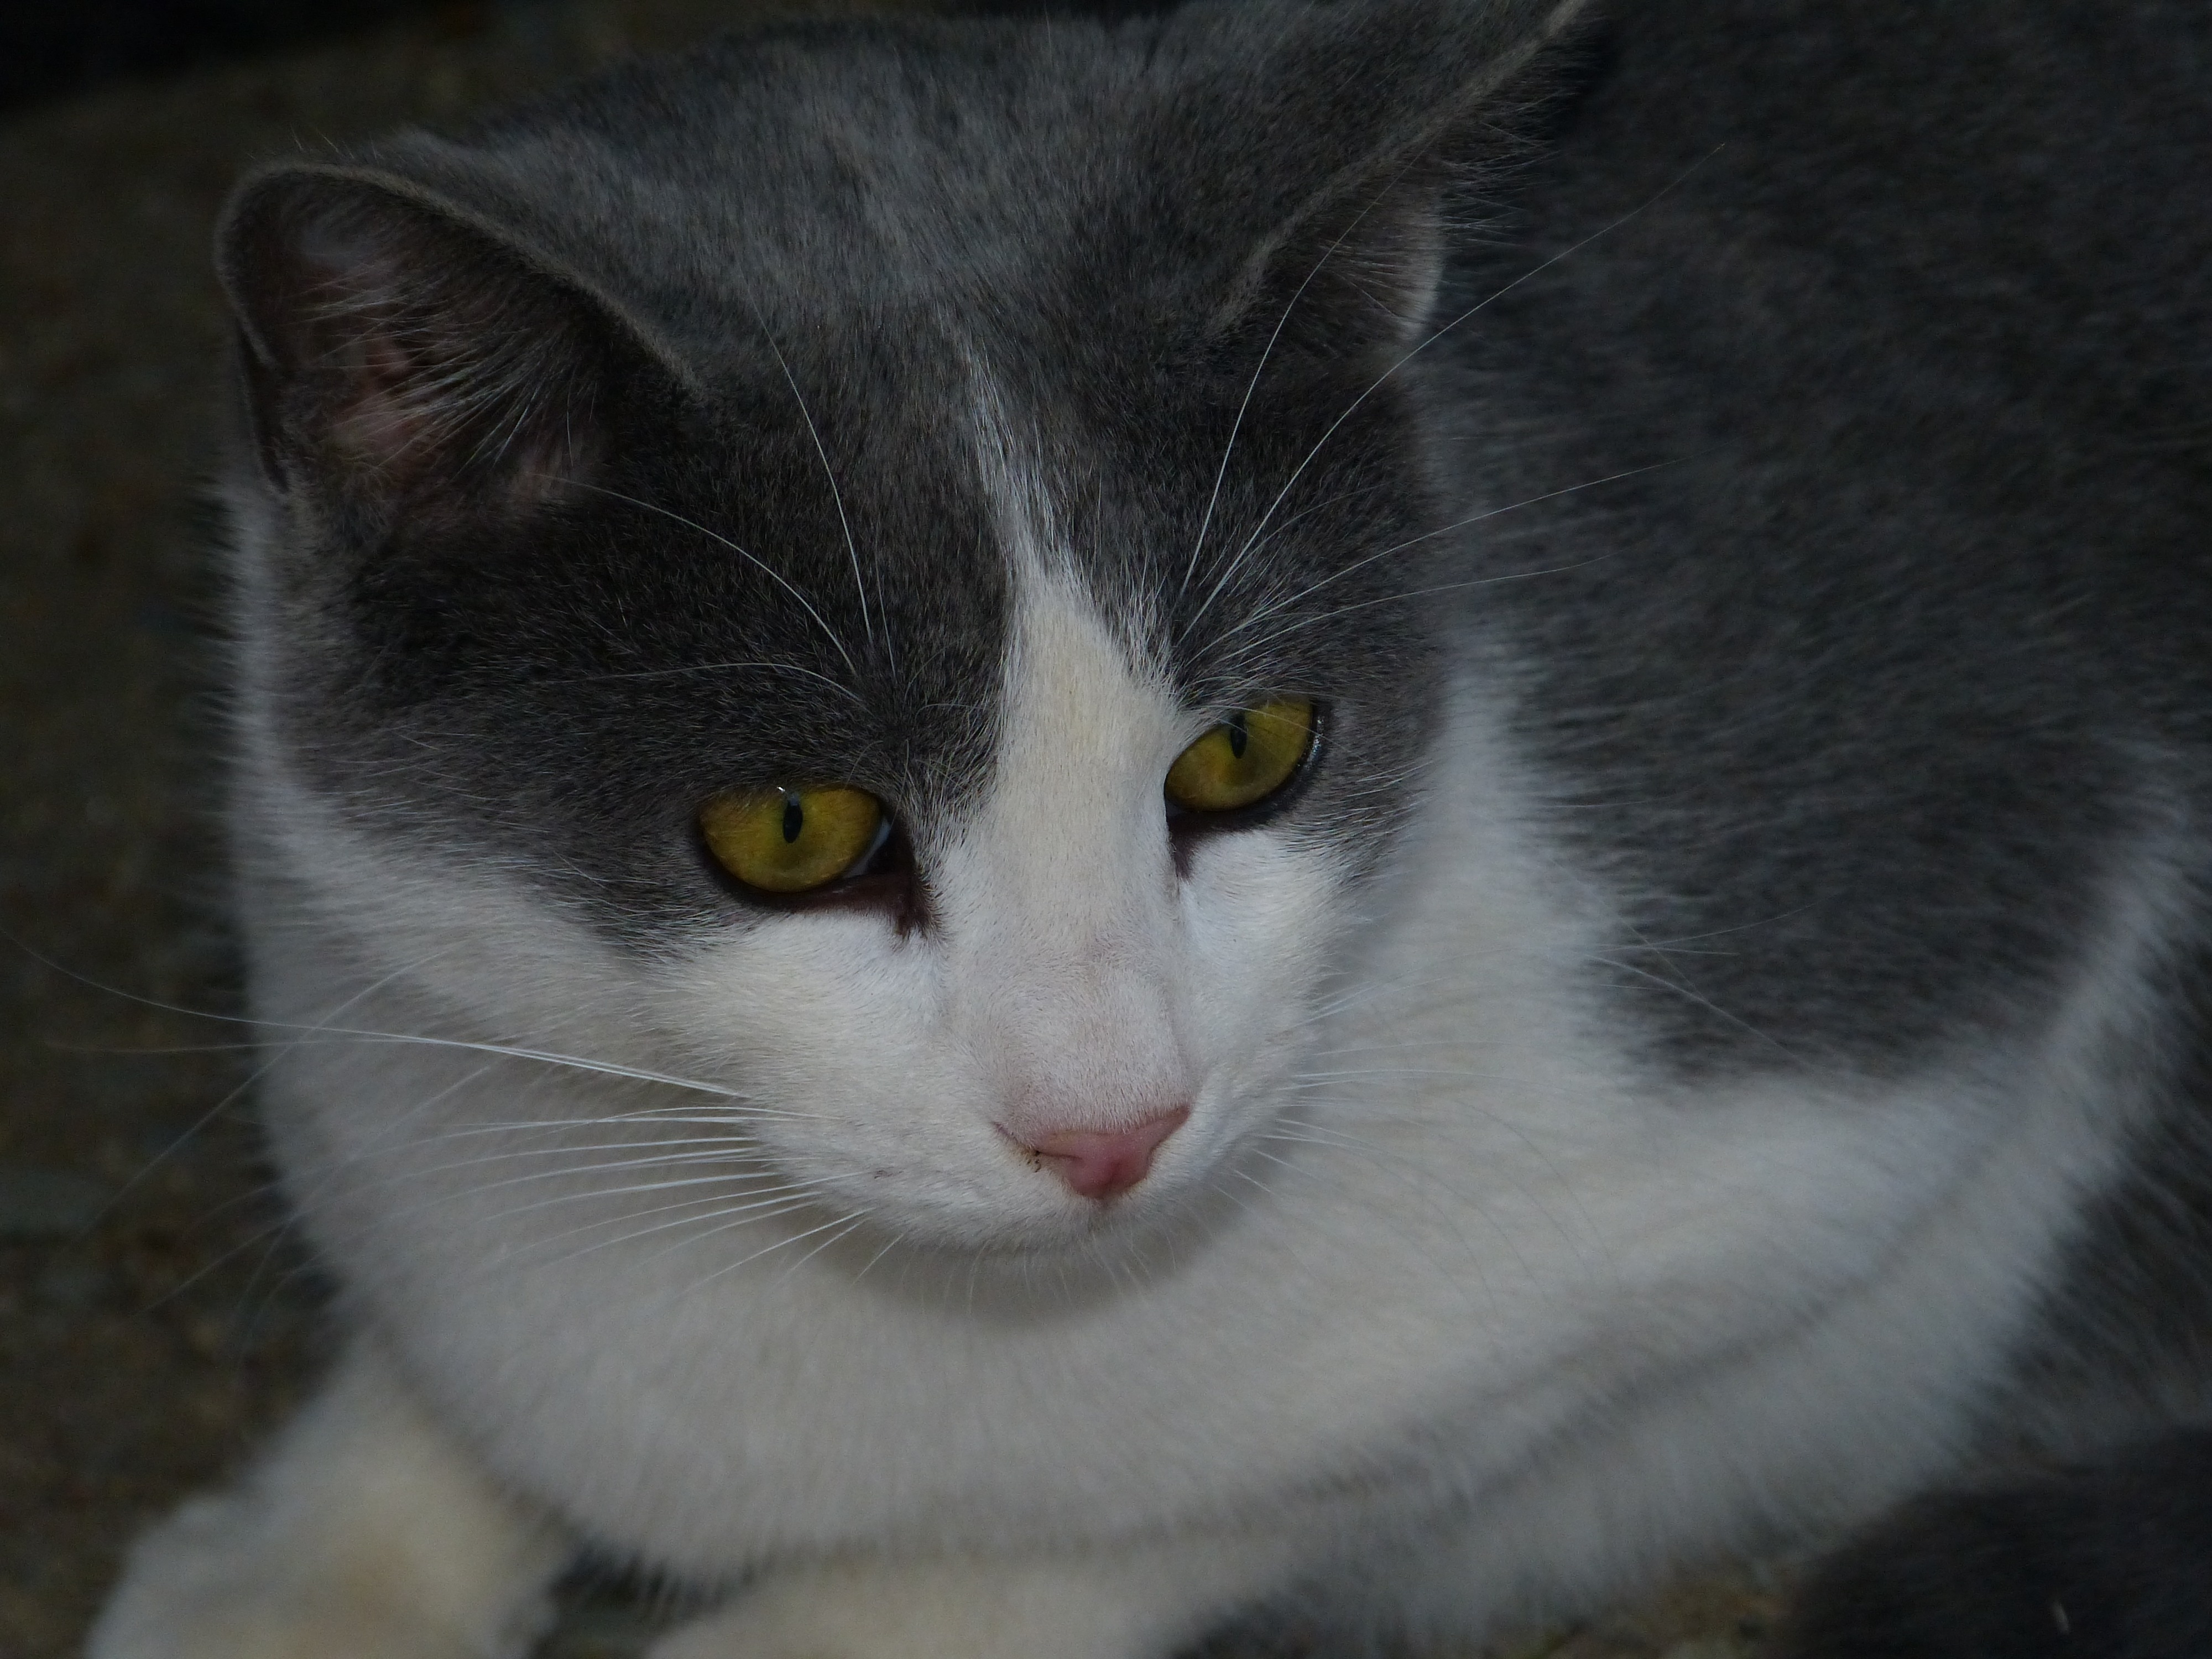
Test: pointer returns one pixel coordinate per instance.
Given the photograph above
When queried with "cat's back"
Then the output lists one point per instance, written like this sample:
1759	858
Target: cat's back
1893	319
1968	241
2016	191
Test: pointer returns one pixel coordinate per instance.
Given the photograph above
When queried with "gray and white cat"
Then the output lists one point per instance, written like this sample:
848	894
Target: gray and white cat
1056	831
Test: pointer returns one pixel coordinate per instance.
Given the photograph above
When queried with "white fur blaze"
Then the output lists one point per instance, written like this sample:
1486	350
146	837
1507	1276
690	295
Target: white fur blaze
1071	959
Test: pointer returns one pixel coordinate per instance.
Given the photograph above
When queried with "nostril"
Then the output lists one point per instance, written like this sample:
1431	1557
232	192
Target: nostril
1102	1163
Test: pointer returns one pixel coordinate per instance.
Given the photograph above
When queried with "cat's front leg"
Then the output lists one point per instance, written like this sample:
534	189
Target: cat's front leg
1140	1605
362	1534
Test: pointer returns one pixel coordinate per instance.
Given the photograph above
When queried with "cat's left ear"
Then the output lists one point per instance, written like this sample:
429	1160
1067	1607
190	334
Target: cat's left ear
403	355
1366	121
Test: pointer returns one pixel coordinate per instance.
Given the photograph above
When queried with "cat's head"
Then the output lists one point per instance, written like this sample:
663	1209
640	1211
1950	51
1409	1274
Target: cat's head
879	569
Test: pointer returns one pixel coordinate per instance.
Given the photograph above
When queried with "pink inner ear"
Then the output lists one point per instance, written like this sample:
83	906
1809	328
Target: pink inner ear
378	423
408	358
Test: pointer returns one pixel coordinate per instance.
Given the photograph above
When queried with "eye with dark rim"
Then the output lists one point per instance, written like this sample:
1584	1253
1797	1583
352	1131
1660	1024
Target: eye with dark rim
807	846
1246	769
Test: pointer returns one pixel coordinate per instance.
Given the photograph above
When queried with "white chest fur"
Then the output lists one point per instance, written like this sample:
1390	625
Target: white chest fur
1452	1239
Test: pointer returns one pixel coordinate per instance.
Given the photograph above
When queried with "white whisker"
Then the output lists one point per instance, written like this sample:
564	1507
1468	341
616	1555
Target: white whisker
1261	613
841	1221
1480	305
765	1209
767	569
836	495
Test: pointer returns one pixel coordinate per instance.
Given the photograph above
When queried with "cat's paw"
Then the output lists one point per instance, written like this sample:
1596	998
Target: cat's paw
196	1588
363	1533
949	1610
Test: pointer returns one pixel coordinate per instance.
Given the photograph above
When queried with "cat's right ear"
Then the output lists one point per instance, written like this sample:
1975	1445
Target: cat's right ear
401	355
1349	130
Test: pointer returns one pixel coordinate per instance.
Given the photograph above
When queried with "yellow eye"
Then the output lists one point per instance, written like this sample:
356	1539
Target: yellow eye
1245	759
791	841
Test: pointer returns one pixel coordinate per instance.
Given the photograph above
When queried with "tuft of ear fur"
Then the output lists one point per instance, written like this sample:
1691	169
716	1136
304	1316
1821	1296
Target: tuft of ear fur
1366	117
401	354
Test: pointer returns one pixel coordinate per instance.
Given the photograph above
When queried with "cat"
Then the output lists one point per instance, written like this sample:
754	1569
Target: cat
1059	833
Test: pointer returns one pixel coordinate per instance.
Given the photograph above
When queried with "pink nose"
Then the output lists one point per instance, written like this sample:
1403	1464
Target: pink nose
1105	1163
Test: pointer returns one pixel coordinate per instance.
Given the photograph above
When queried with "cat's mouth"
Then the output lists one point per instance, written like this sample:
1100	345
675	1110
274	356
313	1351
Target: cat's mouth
1052	1191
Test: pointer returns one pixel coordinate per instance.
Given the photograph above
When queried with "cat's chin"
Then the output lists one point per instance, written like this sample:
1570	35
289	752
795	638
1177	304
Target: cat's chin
1062	1234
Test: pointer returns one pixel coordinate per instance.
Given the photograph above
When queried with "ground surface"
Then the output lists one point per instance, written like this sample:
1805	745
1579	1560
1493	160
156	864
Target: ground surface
153	1318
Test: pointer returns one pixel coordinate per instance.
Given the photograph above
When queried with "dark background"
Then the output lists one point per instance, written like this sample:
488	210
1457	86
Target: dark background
48	51
154	1318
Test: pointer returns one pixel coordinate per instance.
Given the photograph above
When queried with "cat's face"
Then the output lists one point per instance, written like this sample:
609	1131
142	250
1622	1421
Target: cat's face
786	681
1092	978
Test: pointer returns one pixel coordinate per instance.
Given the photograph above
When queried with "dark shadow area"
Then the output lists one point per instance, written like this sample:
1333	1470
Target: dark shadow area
50	51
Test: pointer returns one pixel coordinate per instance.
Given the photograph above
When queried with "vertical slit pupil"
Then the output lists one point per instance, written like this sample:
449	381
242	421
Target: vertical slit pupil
794	819
1239	739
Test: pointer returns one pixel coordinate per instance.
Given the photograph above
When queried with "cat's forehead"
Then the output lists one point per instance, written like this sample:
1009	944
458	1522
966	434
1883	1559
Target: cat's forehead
921	279
810	171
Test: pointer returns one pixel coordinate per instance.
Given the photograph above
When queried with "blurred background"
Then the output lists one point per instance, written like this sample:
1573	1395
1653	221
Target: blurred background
49	51
155	1319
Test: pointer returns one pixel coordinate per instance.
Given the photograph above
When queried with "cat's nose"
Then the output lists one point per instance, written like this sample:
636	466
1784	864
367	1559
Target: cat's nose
1104	1163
